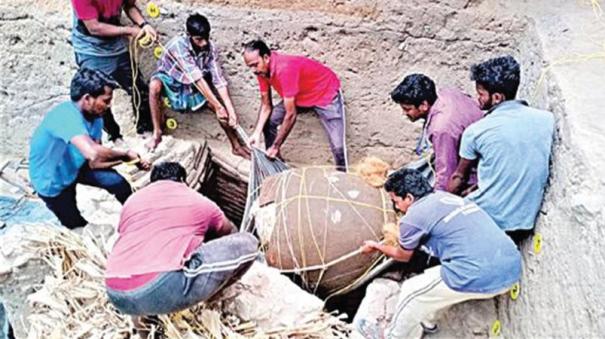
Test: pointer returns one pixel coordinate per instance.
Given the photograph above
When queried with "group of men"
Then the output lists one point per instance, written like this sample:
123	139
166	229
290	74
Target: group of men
189	75
175	247
473	237
497	161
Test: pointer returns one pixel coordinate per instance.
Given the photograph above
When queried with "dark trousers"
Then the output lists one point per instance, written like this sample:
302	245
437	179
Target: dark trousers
212	267
64	205
332	118
118	67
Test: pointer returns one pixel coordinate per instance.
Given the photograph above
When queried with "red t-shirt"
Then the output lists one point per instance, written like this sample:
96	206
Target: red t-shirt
309	82
160	226
97	9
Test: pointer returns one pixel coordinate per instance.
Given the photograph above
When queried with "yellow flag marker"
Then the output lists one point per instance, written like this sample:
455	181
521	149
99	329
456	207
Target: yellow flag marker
153	10
171	123
496	329
157	52
537	243
145	41
514	291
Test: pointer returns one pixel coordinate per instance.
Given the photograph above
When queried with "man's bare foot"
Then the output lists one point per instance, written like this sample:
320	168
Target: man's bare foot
243	152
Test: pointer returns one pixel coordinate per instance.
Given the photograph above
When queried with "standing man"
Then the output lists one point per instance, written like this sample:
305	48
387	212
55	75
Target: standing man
512	146
100	43
478	261
175	248
303	84
191	61
446	112
66	149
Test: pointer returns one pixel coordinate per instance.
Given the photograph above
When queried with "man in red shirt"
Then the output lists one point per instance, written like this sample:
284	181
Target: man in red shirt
175	248
303	84
100	43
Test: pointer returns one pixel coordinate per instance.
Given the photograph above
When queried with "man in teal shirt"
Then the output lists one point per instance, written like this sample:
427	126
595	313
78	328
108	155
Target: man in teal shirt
512	146
66	149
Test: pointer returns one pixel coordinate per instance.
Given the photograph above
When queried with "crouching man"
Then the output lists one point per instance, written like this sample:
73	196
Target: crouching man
478	260
175	248
189	73
66	150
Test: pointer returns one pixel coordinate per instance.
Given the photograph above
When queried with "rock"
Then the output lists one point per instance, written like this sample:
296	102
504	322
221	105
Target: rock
379	303
21	274
268	299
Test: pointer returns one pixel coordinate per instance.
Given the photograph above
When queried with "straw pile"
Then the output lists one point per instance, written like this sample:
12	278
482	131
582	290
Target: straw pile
72	302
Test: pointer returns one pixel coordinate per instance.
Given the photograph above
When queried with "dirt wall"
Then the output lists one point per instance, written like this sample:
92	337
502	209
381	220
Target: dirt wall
370	45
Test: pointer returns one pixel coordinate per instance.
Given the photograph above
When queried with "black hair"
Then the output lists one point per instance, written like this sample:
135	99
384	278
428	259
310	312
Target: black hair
258	45
408	181
498	75
89	81
198	25
168	171
414	90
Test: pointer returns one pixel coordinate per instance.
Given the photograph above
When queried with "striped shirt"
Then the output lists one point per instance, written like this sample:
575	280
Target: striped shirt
184	64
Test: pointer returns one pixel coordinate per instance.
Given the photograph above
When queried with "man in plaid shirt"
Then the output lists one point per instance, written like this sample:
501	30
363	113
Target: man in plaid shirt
188	72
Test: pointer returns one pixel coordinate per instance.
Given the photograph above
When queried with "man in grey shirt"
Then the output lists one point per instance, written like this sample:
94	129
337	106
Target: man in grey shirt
478	261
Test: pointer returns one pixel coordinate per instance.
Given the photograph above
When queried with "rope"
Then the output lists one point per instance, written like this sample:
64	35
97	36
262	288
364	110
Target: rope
142	40
282	218
324	266
263	167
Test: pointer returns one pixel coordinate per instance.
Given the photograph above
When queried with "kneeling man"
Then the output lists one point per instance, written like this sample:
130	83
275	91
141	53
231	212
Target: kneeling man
66	149
478	260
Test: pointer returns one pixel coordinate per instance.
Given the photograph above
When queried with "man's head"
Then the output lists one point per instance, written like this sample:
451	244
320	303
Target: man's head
405	187
168	171
257	56
92	90
496	80
198	29
415	94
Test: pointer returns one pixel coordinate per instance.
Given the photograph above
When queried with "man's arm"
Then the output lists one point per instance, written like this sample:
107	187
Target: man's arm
395	252
223	92
134	14
220	83
97	28
266	107
460	176
445	147
285	128
221	112
99	156
226	228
